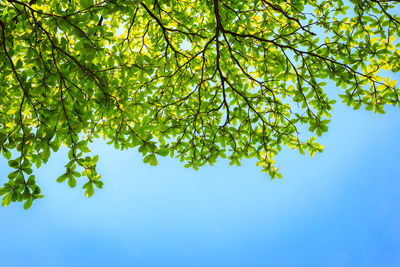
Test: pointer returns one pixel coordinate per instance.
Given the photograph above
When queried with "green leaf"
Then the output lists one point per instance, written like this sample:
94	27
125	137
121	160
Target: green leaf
26	194
99	184
369	107
3	191
147	158
14	196
13	164
6	200
163	152
54	146
76	174
152	159
319	131
27	170
86	3
28	203
6	153
13	174
89	190
20	178
62	178
71	181
31	180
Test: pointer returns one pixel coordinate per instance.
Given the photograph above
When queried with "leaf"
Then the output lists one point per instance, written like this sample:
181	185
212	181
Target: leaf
26	194
14	196
95	159
163	152
20	178
99	184
86	3
27	170
31	180
76	174
153	160
3	191
28	203
13	174
71	181
147	158
89	189
46	153
54	146
369	107
62	178
7	153
6	200
13	164
357	106
38	163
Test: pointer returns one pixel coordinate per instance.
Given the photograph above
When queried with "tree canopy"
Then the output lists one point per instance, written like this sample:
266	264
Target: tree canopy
195	80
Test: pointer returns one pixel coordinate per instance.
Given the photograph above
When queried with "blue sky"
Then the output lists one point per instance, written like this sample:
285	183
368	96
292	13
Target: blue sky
340	208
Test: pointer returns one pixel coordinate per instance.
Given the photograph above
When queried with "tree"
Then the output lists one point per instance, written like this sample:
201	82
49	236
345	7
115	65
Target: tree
196	80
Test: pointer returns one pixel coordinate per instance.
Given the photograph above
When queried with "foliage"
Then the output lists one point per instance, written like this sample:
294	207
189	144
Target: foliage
196	80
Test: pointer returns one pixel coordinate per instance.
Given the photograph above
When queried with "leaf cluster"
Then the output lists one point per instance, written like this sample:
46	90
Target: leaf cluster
195	80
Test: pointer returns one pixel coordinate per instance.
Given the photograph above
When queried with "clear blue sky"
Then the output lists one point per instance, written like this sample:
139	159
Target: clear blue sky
340	208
